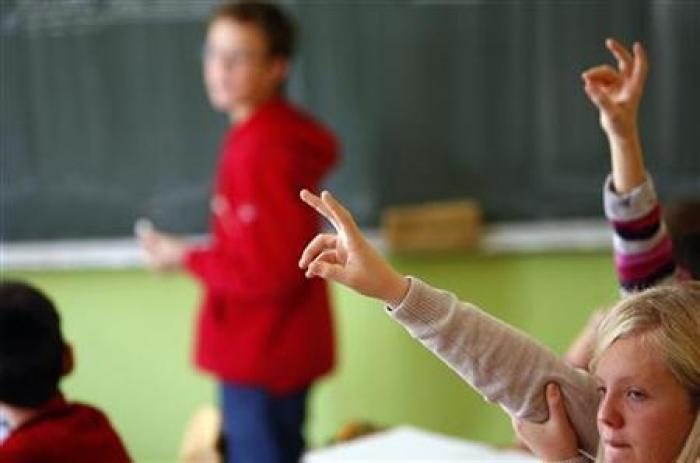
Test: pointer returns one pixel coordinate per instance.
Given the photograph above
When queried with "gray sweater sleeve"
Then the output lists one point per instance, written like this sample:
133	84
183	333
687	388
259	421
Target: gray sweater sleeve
505	365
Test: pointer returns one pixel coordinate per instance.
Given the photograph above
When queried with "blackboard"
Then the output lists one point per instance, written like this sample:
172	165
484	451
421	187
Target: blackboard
104	118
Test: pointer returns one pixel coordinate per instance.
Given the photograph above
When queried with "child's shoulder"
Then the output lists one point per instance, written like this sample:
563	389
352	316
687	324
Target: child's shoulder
61	429
285	114
296	123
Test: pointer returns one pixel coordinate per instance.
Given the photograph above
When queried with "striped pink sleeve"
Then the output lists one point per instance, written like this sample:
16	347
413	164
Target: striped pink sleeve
642	245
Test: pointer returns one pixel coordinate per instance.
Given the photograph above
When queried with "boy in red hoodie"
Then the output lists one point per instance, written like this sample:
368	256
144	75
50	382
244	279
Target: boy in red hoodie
263	329
38	424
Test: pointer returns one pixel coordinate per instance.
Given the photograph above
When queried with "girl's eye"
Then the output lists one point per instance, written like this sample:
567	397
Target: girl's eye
636	395
601	390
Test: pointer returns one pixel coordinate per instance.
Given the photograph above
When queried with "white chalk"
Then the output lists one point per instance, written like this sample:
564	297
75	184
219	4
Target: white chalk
142	227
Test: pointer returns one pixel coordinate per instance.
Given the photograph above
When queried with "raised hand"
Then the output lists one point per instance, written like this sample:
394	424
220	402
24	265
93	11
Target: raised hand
346	257
617	94
555	439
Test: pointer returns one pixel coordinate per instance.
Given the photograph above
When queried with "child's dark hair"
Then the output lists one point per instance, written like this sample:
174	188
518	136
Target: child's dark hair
31	346
275	24
683	219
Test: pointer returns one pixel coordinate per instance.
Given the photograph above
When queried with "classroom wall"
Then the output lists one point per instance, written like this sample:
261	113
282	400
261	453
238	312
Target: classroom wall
131	332
104	116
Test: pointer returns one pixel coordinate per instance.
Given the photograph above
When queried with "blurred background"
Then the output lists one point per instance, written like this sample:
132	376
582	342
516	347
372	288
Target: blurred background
104	119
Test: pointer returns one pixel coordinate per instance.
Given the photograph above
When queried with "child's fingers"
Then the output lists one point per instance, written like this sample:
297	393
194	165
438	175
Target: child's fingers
603	73
329	256
315	247
341	215
150	241
526	429
325	270
623	56
599	98
143	227
640	67
315	202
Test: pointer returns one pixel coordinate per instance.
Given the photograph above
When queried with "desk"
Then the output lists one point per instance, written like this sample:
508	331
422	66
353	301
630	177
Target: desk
407	443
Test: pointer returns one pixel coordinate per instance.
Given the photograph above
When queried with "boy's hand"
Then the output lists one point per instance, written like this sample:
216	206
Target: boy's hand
163	253
553	440
346	257
617	92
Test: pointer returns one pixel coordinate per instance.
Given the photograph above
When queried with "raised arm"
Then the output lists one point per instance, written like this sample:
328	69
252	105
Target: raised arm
503	364
643	249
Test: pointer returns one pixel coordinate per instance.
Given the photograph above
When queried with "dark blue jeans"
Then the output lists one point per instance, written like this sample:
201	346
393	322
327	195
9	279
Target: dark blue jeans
262	428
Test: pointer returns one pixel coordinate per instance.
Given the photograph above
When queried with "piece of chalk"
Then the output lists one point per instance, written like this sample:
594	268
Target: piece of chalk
142	227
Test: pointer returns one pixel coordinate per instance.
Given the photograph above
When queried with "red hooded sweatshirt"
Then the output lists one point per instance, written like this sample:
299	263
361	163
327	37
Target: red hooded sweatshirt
64	432
261	322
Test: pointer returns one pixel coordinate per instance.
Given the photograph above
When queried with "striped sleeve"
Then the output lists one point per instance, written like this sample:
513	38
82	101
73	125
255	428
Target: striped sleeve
641	243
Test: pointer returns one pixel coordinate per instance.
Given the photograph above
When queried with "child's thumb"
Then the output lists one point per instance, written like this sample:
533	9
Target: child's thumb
556	407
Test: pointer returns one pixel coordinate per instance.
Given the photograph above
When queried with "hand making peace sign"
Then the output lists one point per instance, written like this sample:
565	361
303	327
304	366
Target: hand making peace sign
347	257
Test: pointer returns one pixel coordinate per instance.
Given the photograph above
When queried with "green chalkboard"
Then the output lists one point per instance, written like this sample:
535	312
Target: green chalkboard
104	118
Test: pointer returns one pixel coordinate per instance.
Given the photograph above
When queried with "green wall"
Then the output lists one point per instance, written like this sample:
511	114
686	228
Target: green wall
131	331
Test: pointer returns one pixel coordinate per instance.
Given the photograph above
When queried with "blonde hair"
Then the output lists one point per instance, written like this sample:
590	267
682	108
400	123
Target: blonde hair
668	318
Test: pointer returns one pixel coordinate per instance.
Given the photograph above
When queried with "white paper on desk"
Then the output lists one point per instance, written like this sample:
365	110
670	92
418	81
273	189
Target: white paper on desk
411	444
